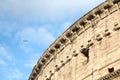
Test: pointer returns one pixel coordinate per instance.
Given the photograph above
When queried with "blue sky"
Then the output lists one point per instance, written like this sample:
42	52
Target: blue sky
28	27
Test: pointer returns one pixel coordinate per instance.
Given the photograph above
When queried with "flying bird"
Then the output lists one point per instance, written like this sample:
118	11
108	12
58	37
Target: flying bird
25	40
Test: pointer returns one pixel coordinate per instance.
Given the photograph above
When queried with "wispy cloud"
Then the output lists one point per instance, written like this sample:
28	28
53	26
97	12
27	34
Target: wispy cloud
36	35
7	28
15	74
3	63
32	60
45	9
65	25
4	53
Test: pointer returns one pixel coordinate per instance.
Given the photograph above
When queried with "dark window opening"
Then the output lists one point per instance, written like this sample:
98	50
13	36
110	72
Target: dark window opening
63	41
57	46
75	29
107	6
47	79
98	12
116	1
85	51
110	70
82	23
69	35
52	51
34	74
43	61
37	70
47	56
90	17
40	66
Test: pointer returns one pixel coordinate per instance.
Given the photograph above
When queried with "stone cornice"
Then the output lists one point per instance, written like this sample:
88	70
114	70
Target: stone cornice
73	31
111	76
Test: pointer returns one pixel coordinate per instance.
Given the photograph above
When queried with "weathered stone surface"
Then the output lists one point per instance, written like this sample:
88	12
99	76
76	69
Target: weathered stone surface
88	50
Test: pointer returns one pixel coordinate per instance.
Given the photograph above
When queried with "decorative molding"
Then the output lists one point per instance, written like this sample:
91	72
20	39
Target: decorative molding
111	76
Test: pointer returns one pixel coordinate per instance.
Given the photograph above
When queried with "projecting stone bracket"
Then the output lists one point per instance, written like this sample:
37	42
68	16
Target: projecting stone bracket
68	58
116	27
75	53
90	43
98	37
107	33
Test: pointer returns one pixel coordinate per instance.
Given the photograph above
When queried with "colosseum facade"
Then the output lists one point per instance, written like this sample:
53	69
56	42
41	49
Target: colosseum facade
88	50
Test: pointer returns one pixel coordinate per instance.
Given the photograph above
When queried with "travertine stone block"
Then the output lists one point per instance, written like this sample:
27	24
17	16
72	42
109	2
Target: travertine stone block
87	50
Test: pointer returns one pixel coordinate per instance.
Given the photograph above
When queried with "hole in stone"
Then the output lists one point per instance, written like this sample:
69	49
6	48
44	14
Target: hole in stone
62	61
81	46
57	46
39	66
43	60
75	29
52	51
106	30
50	71
110	70
98	12
37	70
107	6
47	56
56	65
85	52
82	23
107	33
90	17
63	41
89	40
67	56
115	24
116	1
47	79
69	35
34	74
74	51
98	35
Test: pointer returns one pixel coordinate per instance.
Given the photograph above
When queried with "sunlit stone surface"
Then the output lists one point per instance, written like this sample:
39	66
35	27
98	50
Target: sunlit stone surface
88	50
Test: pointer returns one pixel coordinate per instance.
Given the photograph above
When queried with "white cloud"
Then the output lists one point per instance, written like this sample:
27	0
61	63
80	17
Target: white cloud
32	60
26	48
6	28
30	64
2	63
5	57
15	74
46	9
64	27
4	53
36	35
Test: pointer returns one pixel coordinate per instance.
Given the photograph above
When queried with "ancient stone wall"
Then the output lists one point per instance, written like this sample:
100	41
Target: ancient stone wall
88	50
